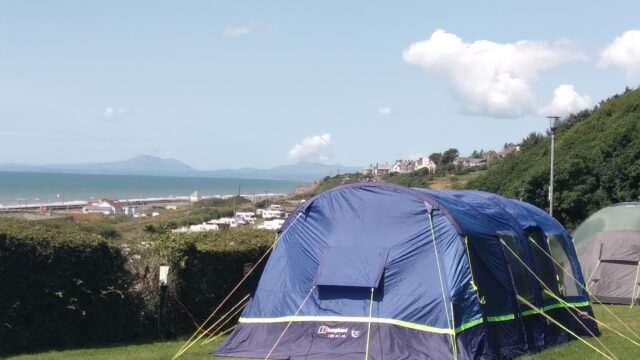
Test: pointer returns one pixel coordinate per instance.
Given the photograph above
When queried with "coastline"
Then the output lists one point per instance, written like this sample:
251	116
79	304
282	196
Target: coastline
135	201
31	190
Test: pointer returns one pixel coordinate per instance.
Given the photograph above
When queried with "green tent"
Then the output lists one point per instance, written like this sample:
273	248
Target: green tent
608	246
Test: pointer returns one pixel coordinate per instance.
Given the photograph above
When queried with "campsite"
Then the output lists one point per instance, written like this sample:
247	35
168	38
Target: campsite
319	180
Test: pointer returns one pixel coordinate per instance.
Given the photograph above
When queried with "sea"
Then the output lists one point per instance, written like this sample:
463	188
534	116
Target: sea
34	188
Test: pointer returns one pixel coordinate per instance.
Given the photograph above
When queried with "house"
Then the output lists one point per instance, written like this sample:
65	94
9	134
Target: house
491	155
195	197
403	166
378	169
424	162
469	162
106	207
509	149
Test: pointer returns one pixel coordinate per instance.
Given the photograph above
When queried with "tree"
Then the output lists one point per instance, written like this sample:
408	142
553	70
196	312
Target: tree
449	155
435	157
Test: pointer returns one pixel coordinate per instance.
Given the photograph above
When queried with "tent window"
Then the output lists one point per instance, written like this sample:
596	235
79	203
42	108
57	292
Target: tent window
568	286
518	271
544	266
357	267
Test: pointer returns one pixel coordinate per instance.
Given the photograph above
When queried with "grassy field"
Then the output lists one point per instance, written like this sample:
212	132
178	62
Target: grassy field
623	349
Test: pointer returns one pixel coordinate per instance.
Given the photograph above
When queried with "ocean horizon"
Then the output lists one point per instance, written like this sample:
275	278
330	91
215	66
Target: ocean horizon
37	187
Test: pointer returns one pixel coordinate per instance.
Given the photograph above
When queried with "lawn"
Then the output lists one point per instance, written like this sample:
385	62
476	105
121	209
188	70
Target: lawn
575	350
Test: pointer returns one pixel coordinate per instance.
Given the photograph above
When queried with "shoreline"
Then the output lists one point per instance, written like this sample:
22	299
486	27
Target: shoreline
72	204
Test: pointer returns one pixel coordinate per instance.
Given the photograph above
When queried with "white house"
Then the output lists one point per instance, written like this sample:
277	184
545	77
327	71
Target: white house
195	196
378	169
424	162
403	166
469	162
107	207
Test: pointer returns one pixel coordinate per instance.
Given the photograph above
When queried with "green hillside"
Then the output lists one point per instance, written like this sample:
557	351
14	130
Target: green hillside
597	162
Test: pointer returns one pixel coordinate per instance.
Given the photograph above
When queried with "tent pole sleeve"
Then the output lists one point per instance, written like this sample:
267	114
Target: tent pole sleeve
366	351
635	284
444	296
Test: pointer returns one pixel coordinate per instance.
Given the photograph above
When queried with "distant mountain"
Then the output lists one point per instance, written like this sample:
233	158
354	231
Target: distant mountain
151	165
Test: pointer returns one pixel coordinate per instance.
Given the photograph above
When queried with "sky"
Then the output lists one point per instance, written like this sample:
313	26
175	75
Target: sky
230	84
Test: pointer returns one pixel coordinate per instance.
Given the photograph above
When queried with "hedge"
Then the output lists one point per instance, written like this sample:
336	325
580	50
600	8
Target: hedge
64	294
66	290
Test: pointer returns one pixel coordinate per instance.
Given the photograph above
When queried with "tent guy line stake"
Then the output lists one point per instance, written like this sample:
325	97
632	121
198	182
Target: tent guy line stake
444	297
289	324
585	288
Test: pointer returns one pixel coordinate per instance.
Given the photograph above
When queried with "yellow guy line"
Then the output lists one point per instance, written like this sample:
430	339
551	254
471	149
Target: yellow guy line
548	291
585	289
524	301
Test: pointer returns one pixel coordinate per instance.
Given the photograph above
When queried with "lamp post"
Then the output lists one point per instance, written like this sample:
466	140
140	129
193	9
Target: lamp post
553	125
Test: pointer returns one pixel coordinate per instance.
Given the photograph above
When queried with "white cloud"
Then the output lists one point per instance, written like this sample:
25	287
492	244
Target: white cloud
489	78
624	53
384	111
238	31
566	100
113	112
312	147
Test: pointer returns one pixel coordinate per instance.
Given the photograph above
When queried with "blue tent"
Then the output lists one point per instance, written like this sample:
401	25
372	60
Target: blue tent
381	271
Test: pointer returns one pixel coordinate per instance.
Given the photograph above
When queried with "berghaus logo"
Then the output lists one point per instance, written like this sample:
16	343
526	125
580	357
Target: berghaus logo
323	329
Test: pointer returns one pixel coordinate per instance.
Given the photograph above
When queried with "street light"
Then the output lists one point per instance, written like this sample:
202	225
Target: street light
553	125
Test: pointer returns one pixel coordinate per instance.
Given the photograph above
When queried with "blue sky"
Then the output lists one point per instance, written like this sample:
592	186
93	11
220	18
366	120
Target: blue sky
226	84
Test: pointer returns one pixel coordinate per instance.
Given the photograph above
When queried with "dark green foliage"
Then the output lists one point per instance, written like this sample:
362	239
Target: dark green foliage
448	156
64	288
63	293
206	268
597	162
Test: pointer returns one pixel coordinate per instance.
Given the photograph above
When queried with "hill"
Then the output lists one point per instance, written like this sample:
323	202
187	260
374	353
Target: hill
597	162
151	165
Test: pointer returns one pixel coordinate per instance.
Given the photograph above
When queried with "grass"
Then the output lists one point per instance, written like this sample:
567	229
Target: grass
575	350
152	351
622	348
